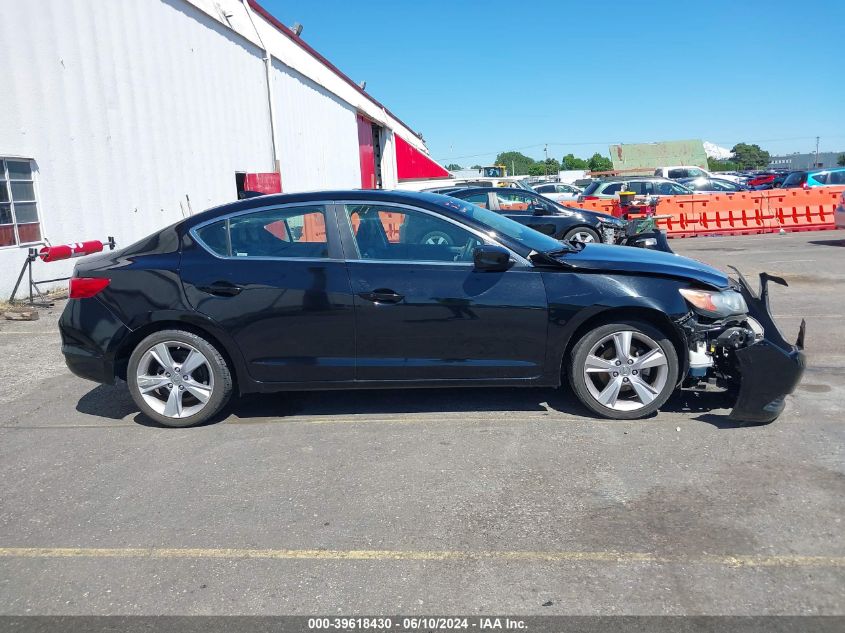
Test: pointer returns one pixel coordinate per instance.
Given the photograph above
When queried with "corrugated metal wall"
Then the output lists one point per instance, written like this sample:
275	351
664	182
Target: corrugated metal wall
129	106
316	132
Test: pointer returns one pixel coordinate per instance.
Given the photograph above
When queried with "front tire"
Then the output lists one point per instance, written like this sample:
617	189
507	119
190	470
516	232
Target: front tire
624	370
178	378
581	235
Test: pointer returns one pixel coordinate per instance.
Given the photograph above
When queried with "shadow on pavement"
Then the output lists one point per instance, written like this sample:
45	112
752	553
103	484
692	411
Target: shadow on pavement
114	402
840	242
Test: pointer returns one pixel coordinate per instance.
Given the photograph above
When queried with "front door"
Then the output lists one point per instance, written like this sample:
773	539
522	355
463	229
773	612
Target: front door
275	280
421	310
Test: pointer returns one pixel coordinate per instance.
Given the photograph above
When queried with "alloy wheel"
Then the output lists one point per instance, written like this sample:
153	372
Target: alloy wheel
625	370
175	379
583	237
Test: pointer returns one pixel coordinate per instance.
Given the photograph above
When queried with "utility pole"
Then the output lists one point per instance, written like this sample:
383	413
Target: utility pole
816	164
546	162
513	167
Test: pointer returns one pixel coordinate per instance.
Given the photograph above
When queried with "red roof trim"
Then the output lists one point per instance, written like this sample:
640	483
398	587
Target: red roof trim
301	43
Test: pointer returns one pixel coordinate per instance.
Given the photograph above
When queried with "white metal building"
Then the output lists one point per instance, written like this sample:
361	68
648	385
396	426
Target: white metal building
121	117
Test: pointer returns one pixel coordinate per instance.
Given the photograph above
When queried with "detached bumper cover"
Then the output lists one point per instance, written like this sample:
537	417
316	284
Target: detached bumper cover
770	369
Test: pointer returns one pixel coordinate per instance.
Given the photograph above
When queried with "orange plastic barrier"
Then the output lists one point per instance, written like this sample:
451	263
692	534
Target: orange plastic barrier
740	213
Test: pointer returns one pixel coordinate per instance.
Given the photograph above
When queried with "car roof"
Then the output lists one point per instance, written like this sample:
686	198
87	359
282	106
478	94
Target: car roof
818	171
379	195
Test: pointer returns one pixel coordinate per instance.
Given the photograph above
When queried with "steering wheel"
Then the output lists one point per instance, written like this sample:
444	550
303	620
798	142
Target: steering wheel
466	252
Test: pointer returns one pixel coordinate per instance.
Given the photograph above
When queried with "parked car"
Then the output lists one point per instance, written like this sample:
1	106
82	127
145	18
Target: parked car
641	185
676	172
319	290
839	212
705	184
544	215
815	178
558	191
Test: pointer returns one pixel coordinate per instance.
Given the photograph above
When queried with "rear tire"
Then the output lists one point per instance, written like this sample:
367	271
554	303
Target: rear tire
624	370
582	235
178	378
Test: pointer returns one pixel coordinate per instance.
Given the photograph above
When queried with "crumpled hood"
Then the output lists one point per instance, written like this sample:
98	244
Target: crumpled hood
627	259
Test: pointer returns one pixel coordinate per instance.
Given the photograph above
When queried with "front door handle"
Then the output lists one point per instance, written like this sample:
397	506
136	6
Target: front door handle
222	289
382	295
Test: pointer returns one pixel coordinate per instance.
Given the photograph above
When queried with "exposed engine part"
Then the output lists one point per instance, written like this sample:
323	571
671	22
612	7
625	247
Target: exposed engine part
699	360
735	337
755	327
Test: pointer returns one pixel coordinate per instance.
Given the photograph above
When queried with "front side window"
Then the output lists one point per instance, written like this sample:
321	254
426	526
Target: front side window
836	178
298	232
401	234
18	207
821	177
695	173
678	173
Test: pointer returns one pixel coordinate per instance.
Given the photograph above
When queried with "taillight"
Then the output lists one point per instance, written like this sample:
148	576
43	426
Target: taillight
85	287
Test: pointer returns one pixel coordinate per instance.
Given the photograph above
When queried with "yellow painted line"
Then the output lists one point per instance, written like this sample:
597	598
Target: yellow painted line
774	560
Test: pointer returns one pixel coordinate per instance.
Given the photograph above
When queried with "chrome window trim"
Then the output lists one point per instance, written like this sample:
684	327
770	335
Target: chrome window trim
487	239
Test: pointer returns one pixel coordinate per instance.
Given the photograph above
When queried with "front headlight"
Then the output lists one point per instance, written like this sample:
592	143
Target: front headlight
713	303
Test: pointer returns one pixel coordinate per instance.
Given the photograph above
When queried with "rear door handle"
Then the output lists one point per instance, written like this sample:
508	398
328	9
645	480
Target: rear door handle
222	289
382	295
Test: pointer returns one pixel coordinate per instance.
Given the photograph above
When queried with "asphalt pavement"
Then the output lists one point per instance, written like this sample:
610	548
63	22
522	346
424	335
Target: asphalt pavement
509	501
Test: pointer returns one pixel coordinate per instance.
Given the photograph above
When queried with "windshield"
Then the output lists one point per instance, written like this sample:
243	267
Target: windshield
506	228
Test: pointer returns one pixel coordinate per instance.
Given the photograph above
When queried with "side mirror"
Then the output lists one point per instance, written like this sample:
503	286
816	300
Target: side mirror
536	209
489	258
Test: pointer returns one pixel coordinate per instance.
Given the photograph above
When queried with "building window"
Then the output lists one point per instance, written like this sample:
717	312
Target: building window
18	207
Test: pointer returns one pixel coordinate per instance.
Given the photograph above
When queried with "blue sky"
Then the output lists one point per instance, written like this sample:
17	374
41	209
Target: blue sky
477	78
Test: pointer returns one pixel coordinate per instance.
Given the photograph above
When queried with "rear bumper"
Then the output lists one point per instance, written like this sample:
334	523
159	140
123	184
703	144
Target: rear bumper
769	369
839	217
91	334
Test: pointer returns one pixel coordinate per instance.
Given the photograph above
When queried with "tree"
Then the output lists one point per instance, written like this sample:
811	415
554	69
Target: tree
750	156
453	167
516	162
570	162
841	160
476	167
598	162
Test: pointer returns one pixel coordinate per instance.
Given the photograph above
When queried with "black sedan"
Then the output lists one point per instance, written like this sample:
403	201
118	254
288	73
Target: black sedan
329	290
544	215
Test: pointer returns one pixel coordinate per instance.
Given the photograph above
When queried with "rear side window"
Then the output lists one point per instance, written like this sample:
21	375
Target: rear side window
298	232
678	173
794	179
612	188
478	199
545	189
591	188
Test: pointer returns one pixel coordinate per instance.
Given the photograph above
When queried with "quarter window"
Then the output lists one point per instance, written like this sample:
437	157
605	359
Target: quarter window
298	232
18	206
478	199
402	234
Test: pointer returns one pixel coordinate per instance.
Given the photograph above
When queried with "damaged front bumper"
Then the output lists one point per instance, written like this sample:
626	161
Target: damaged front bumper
770	368
750	357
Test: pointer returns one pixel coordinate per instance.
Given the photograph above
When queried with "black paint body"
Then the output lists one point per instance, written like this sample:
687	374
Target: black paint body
321	324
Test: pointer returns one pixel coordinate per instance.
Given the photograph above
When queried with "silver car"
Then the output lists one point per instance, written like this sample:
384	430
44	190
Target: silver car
640	185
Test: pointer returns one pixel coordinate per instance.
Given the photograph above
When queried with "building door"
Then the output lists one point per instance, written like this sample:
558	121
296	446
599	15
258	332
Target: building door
370	178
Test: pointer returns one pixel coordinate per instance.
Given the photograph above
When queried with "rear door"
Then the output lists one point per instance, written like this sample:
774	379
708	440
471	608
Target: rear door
275	280
422	313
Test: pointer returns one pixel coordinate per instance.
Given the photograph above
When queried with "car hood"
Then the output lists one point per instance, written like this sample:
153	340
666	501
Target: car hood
626	259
